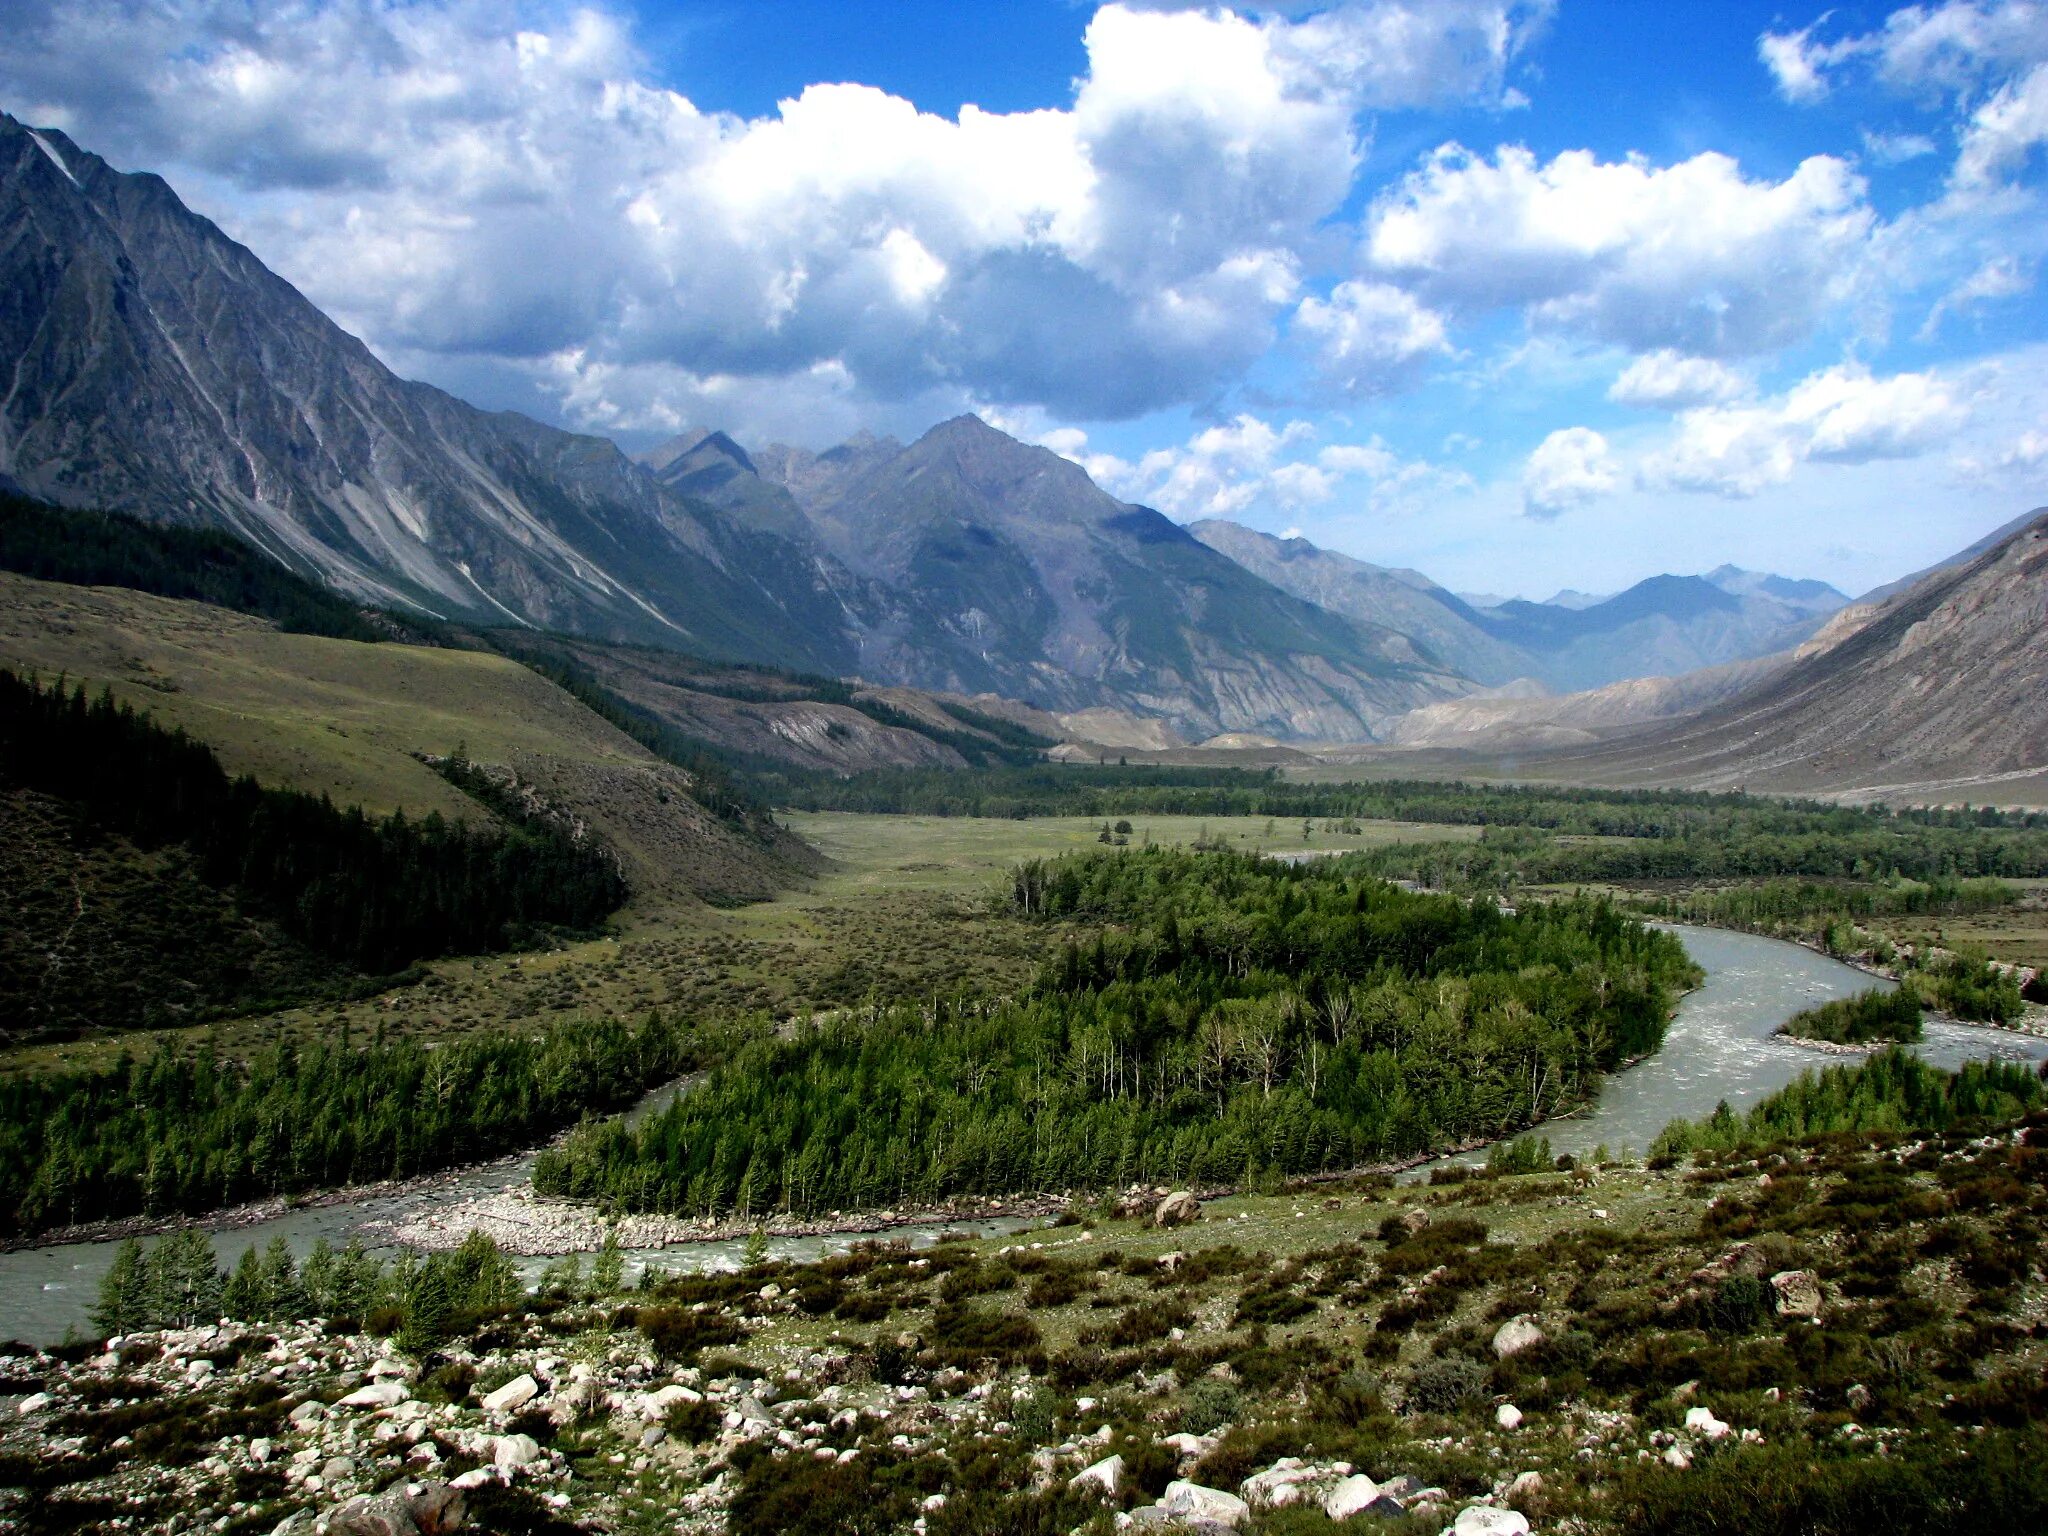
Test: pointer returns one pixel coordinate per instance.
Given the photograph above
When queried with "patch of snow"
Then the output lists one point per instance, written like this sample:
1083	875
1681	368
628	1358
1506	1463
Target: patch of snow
55	159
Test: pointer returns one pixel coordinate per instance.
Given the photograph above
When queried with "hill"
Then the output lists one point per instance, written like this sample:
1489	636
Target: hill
353	721
1935	694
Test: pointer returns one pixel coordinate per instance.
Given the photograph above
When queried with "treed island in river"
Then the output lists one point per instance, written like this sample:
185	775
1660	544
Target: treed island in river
1238	1019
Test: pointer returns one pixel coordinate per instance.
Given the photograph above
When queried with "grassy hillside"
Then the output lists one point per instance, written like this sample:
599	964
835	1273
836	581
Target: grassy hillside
352	721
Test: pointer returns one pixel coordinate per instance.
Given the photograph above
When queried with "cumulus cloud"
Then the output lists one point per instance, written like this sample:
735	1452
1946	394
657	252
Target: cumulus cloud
1369	337
1568	469
1693	256
1670	381
1843	415
462	179
2003	132
1249	463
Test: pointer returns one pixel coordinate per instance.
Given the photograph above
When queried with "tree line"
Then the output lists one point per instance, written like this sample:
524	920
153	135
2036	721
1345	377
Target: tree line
1248	1020
374	892
167	1133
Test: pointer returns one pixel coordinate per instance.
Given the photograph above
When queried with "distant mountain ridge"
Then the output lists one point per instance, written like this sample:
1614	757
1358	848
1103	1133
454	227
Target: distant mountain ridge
1663	626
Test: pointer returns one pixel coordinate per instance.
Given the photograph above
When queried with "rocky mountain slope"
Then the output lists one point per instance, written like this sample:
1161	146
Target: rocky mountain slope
1525	720
983	564
1663	626
1938	690
161	368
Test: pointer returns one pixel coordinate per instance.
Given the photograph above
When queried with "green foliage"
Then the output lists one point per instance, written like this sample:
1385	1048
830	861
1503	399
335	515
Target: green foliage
374	892
110	549
1891	1091
1446	1384
176	1282
1209	1405
1889	1016
192	1133
1248	1017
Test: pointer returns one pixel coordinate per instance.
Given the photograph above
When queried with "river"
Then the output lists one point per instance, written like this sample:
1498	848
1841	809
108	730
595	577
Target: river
1720	1046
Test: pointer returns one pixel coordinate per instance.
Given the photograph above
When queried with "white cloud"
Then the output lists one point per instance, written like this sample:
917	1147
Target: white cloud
2004	131
1951	49
1369	337
1248	463
1692	256
1842	415
2000	277
1569	468
499	185
1669	380
1897	148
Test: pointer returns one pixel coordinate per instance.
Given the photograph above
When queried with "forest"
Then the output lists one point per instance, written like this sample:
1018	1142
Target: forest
1246	1021
177	1133
111	549
375	893
1868	1017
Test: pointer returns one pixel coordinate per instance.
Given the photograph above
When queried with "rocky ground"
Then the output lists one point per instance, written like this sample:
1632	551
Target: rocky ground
1586	1351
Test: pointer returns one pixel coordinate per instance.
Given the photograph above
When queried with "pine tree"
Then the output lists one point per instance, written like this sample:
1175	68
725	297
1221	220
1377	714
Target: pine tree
124	1293
243	1296
608	1272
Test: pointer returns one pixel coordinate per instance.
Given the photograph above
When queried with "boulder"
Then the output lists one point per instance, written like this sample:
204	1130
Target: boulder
1508	1416
1515	1335
1353	1496
1107	1475
1701	1421
433	1511
1526	1489
1484	1520
512	1396
1280	1484
1796	1293
1415	1219
515	1450
1191	1502
1177	1209
378	1394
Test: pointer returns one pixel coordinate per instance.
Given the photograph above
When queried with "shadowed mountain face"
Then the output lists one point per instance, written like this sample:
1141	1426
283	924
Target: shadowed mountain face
1009	570
1940	686
164	370
1663	626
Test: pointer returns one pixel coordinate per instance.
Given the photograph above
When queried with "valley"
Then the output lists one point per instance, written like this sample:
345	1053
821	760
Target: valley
681	853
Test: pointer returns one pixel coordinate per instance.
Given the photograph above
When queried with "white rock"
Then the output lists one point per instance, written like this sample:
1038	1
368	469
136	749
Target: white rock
1526	1486
476	1477
515	1450
1508	1416
512	1396
199	1370
1516	1335
378	1394
1676	1457
35	1402
1483	1520
1107	1474
1702	1421
1349	1497
1191	1501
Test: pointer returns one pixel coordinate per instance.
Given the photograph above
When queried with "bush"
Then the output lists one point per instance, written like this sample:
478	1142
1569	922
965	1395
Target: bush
1446	1385
677	1334
803	1497
1210	1404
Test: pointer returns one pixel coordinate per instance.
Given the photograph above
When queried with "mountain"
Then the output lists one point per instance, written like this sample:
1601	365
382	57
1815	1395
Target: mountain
1664	626
1440	624
976	564
160	368
1963	556
1935	694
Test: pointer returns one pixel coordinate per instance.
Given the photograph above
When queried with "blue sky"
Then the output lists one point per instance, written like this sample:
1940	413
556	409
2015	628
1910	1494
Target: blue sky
1524	294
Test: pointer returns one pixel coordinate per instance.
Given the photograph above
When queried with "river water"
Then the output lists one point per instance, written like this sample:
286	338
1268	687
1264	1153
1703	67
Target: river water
1720	1046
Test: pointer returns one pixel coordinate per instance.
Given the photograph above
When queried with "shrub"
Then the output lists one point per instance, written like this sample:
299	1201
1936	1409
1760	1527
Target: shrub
1445	1385
1210	1404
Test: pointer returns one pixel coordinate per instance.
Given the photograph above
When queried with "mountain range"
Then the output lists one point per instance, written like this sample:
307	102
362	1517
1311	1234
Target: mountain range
1659	627
160	368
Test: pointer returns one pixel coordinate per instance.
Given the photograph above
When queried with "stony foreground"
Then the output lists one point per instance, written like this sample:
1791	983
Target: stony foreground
1623	1350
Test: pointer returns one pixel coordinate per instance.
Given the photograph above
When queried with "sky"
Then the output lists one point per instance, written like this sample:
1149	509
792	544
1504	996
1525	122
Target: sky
1524	294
